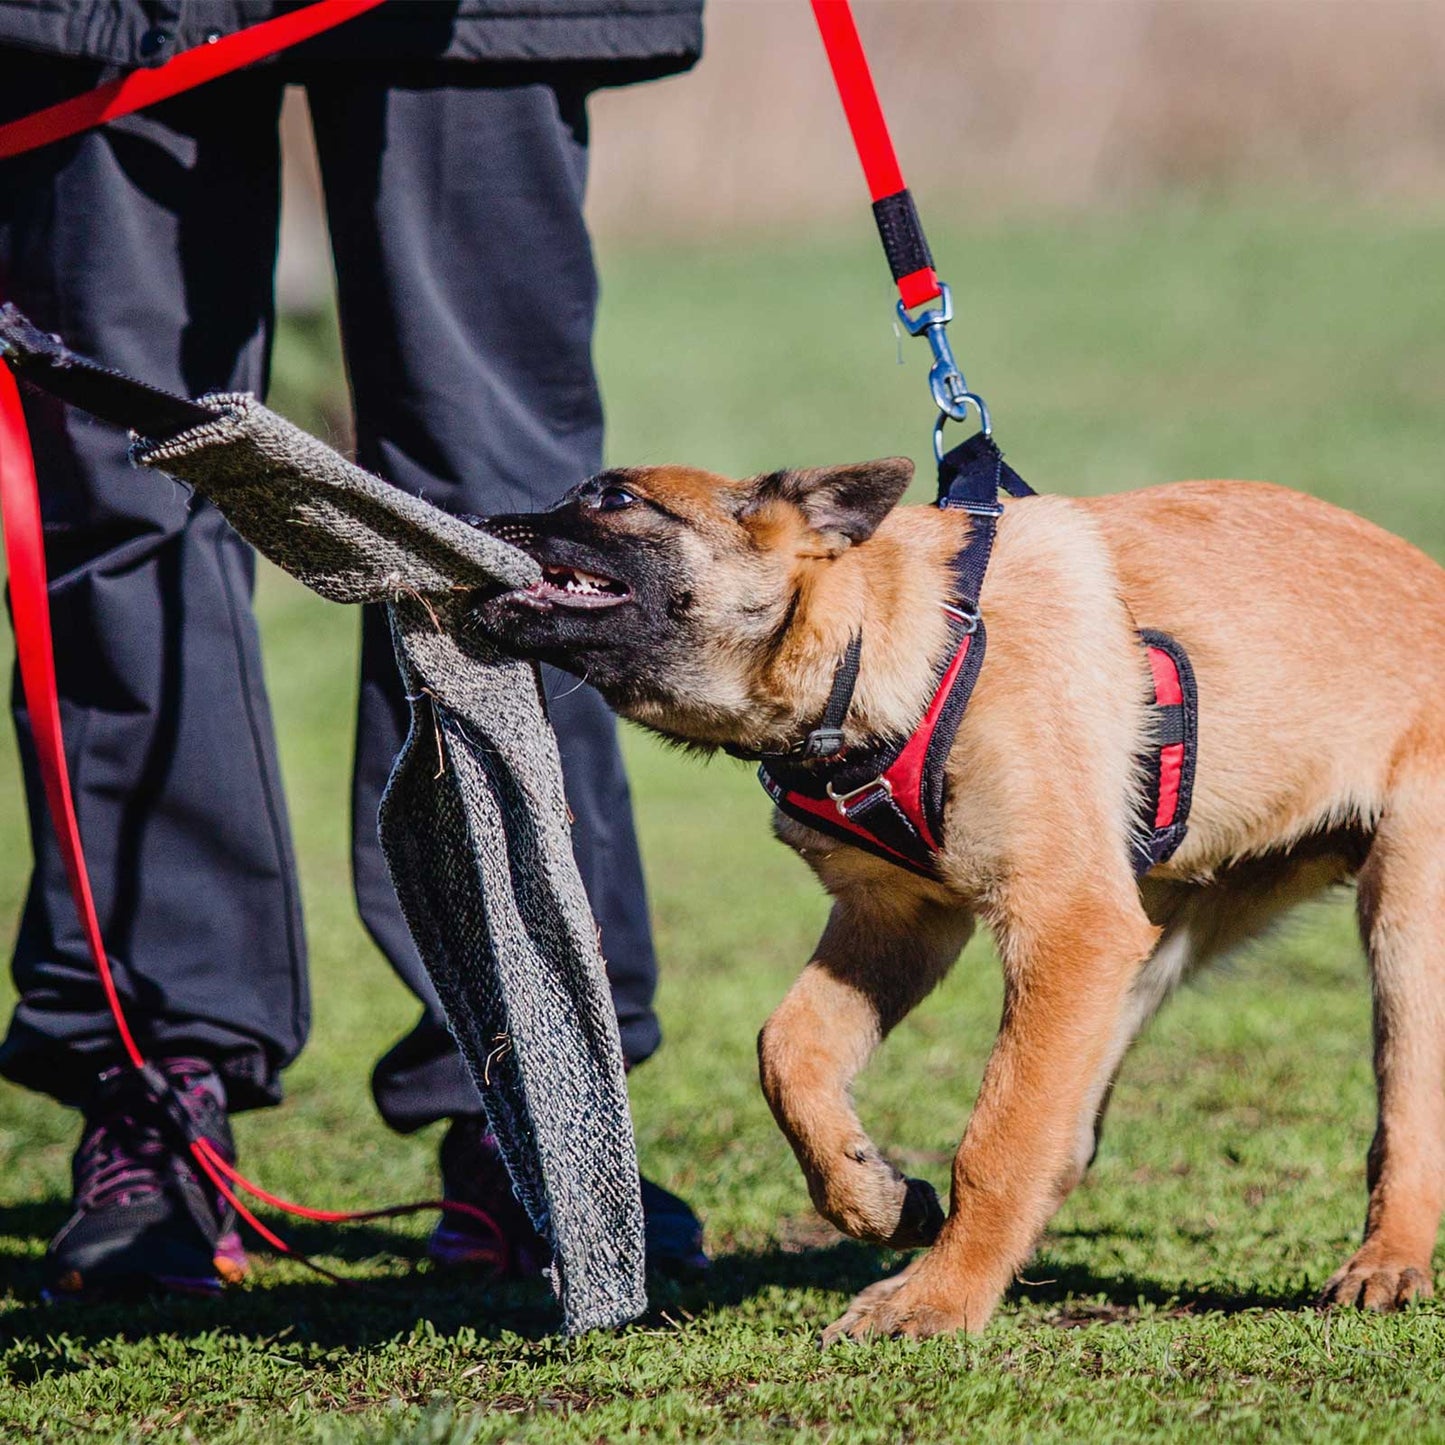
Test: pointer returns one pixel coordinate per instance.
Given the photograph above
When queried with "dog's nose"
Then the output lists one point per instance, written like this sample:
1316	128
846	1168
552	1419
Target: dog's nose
515	530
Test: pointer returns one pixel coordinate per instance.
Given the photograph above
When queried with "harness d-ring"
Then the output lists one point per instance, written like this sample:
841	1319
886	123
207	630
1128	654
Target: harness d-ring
985	424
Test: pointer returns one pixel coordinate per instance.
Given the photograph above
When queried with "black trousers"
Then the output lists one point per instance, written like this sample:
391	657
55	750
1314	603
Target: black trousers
467	296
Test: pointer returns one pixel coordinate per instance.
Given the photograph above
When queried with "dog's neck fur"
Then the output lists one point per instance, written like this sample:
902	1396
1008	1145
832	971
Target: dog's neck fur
890	588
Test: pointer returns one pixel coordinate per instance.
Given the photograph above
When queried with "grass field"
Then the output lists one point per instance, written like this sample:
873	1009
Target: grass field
1171	1297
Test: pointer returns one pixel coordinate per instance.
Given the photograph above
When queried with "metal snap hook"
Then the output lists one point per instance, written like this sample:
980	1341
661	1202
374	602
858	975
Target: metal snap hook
945	379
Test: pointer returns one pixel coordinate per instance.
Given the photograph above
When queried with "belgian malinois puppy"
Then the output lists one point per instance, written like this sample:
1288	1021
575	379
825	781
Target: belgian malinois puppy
715	612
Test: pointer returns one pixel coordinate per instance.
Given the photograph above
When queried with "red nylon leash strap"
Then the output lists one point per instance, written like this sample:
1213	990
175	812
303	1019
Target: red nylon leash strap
898	225
140	88
29	589
34	647
35	653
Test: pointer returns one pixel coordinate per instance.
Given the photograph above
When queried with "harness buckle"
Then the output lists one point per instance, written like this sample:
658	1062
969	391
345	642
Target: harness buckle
822	743
879	786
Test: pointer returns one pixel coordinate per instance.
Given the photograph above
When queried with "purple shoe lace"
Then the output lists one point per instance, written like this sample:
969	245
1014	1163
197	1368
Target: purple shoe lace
205	1099
122	1157
125	1157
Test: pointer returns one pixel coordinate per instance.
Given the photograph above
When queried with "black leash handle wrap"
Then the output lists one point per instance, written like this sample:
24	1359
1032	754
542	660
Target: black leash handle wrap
901	231
45	361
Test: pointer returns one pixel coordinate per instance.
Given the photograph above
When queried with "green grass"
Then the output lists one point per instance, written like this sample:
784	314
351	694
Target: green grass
1171	1295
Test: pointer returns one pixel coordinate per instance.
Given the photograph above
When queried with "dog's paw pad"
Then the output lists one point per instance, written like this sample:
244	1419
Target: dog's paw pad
920	1218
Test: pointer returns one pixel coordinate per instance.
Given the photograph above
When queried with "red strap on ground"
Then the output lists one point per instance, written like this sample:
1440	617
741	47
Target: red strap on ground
35	652
140	88
29	586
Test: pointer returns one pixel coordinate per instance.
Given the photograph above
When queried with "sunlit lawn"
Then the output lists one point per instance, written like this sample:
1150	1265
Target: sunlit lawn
1172	1293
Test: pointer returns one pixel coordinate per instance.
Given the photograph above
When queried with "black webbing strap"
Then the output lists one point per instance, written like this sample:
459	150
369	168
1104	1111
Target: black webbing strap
45	361
826	740
974	473
970	477
901	232
1169	724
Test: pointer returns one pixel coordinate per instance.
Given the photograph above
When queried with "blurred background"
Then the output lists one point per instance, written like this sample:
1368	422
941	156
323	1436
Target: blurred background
1003	108
1202	237
1149	210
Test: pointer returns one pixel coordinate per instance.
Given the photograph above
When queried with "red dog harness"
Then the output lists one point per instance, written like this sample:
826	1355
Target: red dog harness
889	798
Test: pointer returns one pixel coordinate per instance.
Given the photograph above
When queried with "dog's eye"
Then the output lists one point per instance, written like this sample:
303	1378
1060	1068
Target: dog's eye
613	499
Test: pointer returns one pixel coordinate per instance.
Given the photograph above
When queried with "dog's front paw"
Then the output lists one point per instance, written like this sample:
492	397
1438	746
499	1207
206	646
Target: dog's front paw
868	1199
1371	1280
906	1305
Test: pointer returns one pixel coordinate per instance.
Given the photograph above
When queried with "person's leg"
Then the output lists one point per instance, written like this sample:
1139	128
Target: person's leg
149	245
467	297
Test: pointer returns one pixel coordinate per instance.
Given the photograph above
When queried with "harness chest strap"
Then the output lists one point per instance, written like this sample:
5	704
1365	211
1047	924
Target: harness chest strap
889	813
889	799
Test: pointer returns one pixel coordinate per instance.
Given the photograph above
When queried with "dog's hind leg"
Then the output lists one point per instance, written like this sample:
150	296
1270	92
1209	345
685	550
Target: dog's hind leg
870	968
1402	918
1201	925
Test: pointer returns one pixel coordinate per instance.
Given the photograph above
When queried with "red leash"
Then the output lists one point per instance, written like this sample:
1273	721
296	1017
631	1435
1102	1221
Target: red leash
899	227
140	88
30	598
893	208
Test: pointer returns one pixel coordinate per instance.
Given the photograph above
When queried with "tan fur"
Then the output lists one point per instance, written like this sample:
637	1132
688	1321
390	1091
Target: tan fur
1318	642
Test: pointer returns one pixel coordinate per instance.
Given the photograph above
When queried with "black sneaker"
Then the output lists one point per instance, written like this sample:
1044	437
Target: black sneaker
144	1217
473	1173
673	1233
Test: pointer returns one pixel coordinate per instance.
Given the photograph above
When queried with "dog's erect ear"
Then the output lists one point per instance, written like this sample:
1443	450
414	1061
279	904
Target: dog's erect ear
846	501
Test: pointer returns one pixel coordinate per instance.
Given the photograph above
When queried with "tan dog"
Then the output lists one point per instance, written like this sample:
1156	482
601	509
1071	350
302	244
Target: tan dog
716	612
